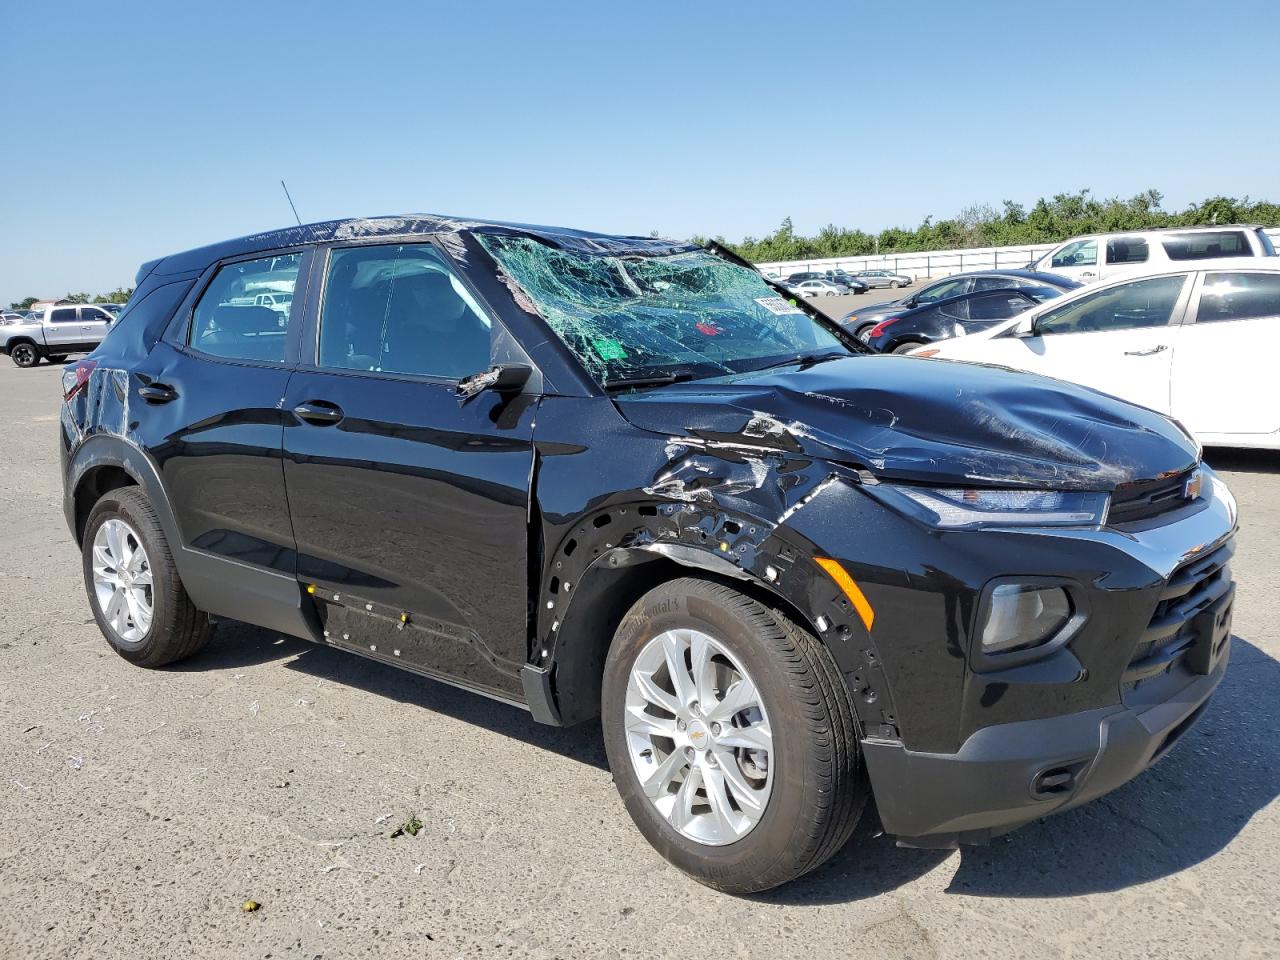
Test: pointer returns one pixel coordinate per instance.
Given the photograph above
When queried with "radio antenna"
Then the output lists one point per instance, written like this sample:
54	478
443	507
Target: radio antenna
290	199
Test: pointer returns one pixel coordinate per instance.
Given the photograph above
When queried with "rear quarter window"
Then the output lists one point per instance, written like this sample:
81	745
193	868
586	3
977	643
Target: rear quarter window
1206	246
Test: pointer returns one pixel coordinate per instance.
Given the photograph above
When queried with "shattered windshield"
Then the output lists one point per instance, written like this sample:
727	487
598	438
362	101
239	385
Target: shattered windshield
686	314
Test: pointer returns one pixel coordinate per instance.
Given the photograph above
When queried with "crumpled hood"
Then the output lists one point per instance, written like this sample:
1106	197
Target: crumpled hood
911	419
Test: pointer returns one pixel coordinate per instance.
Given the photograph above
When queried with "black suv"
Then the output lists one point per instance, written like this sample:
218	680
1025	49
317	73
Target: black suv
622	477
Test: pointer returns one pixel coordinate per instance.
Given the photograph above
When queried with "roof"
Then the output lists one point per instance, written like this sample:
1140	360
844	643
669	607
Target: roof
420	224
1040	276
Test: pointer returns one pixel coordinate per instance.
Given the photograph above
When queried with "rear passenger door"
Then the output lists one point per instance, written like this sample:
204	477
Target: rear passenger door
410	506
987	309
62	332
1224	380
209	397
1124	254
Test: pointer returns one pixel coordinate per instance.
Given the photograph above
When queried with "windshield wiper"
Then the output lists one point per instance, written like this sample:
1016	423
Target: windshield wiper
805	359
655	380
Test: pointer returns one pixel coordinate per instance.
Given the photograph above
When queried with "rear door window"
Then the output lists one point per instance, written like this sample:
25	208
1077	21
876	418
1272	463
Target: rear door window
1239	296
399	308
1140	303
1207	245
994	283
998	306
1127	250
231	319
63	315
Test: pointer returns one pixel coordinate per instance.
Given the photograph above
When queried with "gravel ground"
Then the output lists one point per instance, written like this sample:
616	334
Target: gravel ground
142	809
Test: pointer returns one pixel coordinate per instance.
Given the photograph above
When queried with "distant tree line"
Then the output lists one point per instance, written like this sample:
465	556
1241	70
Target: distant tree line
1048	221
118	295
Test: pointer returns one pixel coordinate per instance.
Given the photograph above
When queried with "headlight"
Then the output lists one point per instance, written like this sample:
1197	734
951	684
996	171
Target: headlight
967	509
1020	615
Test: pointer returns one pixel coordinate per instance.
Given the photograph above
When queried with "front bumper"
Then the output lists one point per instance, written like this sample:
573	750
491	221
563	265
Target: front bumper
997	781
958	750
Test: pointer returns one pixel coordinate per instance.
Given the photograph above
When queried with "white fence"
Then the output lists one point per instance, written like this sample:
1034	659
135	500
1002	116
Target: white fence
934	263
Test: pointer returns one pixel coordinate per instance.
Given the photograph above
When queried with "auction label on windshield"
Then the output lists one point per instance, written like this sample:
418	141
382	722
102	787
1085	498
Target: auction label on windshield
609	349
777	305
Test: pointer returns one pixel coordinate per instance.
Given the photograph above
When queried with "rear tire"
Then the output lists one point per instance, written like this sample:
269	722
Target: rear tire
24	355
789	807
134	589
905	347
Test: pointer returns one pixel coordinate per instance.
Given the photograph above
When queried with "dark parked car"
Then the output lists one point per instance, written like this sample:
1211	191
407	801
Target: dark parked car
854	284
793	278
858	322
621	477
952	317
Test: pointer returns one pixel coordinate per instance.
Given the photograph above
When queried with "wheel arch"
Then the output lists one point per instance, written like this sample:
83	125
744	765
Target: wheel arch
593	578
105	462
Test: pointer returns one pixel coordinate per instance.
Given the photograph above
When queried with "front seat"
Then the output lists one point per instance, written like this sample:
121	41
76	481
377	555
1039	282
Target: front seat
432	331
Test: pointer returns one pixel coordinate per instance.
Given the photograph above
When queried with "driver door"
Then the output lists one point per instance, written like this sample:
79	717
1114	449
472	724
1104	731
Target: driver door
1119	340
1077	260
410	505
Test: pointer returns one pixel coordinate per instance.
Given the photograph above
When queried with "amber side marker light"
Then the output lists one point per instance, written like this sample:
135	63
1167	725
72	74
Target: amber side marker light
923	353
851	590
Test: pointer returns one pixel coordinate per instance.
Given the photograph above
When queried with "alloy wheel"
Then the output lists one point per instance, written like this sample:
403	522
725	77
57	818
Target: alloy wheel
122	581
24	355
699	738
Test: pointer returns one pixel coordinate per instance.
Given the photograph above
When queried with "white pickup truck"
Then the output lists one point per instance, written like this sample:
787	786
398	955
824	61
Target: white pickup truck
54	332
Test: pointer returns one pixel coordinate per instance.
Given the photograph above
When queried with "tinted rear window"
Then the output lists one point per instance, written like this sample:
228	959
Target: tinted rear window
1206	246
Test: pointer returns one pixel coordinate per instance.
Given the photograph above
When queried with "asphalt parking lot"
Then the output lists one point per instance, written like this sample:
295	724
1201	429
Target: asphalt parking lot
838	306
142	809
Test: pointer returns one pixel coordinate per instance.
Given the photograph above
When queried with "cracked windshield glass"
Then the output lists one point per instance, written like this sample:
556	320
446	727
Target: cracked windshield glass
679	316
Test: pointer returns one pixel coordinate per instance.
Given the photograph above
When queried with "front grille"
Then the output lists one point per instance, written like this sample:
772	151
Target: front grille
1190	624
1144	499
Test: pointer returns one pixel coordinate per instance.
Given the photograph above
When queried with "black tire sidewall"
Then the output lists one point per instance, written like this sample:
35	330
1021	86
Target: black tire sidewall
771	840
25	350
121	504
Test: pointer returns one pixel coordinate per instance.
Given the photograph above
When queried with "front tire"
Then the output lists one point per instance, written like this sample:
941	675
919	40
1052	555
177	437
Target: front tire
731	737
24	355
894	284
134	589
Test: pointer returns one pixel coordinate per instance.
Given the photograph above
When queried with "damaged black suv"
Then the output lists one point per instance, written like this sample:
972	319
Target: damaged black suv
620	477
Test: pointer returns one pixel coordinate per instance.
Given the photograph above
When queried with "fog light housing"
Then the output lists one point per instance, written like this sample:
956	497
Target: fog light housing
1022	616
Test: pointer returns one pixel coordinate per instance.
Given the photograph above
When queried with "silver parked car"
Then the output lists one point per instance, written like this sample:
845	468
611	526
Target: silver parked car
883	278
819	288
53	332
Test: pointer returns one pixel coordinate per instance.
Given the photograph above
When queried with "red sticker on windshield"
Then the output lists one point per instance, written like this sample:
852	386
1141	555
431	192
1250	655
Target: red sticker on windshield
707	327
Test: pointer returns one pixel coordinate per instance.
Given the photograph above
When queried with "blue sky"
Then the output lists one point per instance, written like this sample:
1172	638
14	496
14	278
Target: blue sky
135	130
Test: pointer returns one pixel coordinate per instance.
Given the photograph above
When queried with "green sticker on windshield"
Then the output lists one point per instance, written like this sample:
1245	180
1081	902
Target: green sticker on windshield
609	349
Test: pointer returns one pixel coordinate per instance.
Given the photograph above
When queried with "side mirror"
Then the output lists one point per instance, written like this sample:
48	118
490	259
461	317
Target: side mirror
501	377
1025	327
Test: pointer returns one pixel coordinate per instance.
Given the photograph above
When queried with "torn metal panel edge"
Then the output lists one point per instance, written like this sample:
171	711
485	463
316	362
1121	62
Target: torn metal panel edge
721	509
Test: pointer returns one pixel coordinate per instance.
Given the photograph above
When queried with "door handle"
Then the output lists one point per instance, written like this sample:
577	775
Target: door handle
157	393
321	413
1150	351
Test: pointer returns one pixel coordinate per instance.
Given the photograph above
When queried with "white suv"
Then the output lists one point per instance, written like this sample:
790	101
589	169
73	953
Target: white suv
1103	256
